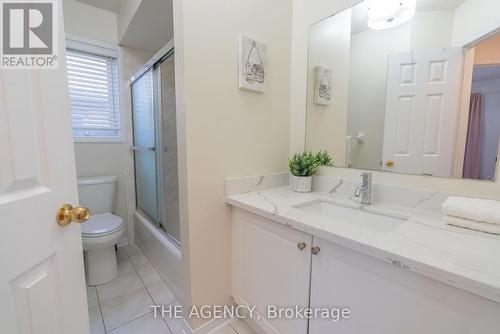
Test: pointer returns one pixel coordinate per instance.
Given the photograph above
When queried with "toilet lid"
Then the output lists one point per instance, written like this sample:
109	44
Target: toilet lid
101	224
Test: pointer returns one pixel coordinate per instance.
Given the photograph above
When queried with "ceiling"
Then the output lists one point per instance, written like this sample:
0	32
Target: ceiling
434	5
151	27
110	5
360	16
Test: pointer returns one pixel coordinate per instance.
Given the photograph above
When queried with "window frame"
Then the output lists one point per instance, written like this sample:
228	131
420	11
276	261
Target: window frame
100	48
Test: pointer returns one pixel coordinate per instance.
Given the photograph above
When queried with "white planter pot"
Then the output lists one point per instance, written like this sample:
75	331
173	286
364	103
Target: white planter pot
301	184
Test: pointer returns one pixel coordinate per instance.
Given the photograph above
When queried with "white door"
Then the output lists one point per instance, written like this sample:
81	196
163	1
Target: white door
42	284
422	108
271	266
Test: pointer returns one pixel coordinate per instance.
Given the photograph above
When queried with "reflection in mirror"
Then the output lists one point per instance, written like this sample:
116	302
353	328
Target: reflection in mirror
413	88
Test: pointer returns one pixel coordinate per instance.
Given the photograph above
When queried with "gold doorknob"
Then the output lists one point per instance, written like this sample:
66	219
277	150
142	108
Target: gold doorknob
389	163
67	214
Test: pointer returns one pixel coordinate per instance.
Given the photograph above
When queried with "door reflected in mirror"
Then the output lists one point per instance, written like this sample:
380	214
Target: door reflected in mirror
418	94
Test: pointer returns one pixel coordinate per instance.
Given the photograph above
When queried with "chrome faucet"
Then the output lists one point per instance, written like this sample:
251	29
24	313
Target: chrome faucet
365	191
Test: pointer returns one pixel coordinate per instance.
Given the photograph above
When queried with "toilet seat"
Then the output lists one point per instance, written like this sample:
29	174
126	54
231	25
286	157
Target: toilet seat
101	225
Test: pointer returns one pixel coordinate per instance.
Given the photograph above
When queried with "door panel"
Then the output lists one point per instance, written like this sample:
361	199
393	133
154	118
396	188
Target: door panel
34	295
406	107
387	298
42	282
170	219
145	182
143	117
422	111
433	117
269	269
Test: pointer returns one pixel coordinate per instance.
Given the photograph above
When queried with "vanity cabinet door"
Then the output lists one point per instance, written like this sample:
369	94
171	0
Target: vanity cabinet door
270	266
387	298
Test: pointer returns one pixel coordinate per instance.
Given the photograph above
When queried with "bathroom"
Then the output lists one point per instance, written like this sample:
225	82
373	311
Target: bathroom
193	167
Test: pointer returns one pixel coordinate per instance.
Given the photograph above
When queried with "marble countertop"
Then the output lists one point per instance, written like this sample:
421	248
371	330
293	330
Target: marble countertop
423	244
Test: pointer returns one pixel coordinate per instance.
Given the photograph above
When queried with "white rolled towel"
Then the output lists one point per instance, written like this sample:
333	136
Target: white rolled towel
472	225
480	210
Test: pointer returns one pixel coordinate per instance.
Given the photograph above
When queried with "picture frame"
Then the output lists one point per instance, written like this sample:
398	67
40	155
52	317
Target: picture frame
323	84
252	64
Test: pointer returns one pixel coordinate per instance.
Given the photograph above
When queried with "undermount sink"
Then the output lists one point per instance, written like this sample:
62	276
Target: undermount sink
365	217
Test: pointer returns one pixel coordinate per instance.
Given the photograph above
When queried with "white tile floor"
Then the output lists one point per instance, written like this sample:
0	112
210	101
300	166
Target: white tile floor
123	306
235	327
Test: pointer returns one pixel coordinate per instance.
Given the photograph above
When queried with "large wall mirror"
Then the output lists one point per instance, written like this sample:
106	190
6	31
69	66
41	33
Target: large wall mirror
407	87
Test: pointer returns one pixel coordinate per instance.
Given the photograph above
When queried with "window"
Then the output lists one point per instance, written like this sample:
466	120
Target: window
93	91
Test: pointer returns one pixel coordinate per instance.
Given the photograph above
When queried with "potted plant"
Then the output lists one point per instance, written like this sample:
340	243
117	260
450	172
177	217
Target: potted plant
303	166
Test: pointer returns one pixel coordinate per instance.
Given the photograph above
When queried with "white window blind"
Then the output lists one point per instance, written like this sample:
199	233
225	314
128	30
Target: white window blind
93	91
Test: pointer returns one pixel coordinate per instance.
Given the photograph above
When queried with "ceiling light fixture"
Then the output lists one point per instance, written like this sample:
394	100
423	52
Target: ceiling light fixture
385	14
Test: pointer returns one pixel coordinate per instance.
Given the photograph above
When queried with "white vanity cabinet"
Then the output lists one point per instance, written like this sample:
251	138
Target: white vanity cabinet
387	298
383	297
271	266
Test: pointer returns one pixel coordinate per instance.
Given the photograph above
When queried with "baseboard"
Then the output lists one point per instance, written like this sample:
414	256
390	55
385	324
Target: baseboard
207	328
254	325
122	242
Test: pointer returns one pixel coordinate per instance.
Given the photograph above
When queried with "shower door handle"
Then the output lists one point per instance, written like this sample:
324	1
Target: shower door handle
143	148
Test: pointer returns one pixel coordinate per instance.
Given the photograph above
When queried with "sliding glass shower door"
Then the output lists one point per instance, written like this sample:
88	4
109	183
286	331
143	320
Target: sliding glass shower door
169	215
155	146
143	117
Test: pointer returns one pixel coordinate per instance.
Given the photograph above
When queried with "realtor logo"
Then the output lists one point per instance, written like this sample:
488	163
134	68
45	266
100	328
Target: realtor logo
29	38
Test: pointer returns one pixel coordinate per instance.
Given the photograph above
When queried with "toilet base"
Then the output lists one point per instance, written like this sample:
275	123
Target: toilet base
100	265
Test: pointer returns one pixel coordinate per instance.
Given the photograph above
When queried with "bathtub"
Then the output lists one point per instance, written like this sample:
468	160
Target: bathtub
163	254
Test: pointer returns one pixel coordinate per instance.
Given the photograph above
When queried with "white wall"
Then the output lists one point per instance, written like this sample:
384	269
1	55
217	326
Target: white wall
305	14
474	19
224	131
367	89
94	159
92	22
329	47
431	30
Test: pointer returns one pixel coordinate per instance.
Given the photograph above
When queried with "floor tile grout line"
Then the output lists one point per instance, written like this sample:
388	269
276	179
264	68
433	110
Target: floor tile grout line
102	315
137	271
99	301
152	298
128	292
147	289
128	322
100	309
128	257
234	329
123	295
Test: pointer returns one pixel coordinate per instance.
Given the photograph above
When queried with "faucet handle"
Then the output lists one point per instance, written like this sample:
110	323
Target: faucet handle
357	192
367	178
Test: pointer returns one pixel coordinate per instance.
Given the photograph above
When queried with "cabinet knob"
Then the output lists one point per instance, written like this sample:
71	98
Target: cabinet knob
301	245
315	250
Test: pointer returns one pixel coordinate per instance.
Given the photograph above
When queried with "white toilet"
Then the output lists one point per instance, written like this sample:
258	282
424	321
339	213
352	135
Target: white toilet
102	231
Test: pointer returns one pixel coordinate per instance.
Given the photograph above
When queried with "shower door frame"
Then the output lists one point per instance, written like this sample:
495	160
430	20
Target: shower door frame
154	64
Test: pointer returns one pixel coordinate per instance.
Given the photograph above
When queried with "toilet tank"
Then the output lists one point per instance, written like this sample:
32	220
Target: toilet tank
98	193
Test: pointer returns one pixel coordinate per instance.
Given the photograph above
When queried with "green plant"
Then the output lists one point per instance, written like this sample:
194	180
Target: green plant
324	159
307	163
